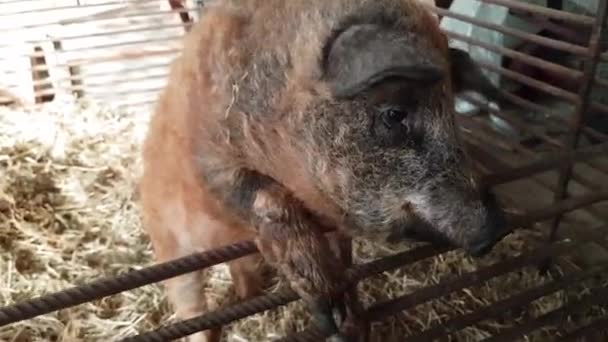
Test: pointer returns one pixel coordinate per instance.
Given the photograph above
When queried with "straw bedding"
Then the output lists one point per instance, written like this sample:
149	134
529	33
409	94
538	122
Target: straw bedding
69	214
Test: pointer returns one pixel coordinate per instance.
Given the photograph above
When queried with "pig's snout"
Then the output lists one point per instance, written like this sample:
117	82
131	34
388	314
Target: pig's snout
494	228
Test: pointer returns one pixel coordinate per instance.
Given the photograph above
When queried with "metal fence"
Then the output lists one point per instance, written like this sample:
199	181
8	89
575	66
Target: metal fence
544	145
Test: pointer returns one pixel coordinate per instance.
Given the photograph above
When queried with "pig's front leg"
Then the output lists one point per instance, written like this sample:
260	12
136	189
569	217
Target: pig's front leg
289	238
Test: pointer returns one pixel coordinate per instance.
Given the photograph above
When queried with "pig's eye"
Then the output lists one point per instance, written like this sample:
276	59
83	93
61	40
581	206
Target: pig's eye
396	126
392	116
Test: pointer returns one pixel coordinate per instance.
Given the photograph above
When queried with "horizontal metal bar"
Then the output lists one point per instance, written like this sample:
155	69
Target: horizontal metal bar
410	300
65	22
112	83
127	281
602	108
547	112
481	154
558	69
266	302
6	100
547	163
89	35
595	327
540	40
564	206
59	8
544	11
380	310
597	296
175	39
531	82
8	2
93	75
500	307
484	131
601	82
114	94
143	13
128	104
497	164
122	56
100	88
515	121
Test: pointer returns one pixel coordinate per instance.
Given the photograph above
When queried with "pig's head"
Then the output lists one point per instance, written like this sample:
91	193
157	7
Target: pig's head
384	145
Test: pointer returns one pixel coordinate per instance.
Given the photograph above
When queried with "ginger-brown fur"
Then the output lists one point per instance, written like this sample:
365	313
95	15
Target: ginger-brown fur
265	131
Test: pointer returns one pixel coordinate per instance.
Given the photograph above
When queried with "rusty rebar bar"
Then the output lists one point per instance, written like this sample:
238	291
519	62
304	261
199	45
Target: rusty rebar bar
128	281
601	82
109	286
498	308
572	139
597	296
261	303
529	105
156	273
567	205
557	69
530	82
215	318
529	37
178	5
544	11
390	307
382	309
485	153
495	160
515	121
595	327
549	162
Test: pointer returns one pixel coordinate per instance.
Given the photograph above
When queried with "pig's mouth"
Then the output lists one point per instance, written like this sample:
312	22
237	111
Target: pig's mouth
419	230
416	229
483	248
489	238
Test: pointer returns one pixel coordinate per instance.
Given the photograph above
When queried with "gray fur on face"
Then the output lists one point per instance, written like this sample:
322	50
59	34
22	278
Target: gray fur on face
314	79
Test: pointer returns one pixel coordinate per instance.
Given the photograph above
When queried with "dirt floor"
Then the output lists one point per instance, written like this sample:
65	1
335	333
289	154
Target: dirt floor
69	214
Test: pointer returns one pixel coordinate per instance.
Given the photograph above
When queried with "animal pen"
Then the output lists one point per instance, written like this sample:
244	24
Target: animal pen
77	81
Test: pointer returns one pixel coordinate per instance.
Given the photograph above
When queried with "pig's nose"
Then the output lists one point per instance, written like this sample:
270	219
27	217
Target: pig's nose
493	230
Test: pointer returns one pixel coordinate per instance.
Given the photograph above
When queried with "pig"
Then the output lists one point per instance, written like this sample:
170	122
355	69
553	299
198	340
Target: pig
282	119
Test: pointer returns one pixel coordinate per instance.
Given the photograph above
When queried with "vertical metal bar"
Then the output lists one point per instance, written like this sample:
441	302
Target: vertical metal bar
38	58
582	107
183	14
73	70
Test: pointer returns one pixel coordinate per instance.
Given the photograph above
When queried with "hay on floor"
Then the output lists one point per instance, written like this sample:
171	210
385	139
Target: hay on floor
69	214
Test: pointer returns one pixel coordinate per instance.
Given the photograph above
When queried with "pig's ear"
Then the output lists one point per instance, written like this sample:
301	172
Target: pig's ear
364	55
467	76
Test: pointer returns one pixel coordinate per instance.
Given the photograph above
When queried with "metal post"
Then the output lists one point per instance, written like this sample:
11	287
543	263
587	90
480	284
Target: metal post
572	139
183	14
